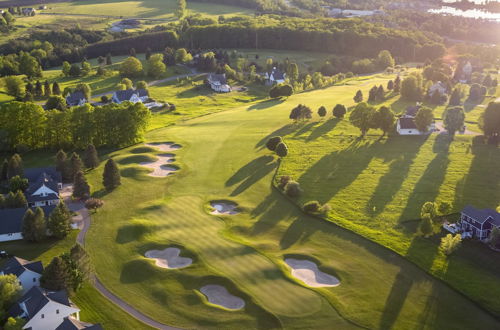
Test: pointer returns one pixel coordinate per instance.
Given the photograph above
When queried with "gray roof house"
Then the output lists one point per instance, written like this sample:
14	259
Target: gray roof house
131	95
27	272
76	99
44	309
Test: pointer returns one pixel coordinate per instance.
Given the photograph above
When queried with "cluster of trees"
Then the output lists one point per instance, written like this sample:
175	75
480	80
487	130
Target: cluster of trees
111	124
67	271
277	145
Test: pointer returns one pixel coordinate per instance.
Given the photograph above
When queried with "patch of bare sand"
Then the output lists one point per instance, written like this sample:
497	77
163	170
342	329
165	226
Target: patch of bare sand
169	258
308	272
218	295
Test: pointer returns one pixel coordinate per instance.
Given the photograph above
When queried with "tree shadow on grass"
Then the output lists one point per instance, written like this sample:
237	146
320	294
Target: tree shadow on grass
251	173
391	182
428	186
323	129
337	170
265	104
283	131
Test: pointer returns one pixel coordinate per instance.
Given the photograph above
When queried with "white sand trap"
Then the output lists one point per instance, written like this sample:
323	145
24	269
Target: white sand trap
160	167
227	208
167	146
218	295
169	258
308	272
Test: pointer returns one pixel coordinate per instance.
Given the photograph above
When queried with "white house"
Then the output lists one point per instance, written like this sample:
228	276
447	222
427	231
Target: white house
11	222
218	83
131	95
439	87
43	309
76	99
276	76
479	223
27	272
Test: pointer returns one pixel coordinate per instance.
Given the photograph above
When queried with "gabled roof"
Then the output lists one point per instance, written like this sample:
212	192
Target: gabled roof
70	323
75	98
36	299
220	78
407	123
12	219
33	174
17	266
482	215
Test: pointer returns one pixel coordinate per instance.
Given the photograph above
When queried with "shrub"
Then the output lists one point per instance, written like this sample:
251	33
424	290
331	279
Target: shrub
450	243
273	142
312	207
292	189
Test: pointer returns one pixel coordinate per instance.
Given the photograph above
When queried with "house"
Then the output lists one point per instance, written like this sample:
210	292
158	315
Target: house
43	309
44	185
478	223
218	82
28	11
11	222
27	272
76	99
131	95
276	76
439	87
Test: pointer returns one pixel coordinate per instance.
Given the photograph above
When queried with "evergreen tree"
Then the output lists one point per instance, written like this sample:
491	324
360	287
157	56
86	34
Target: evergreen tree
111	177
4	171
56	275
109	59
15	166
59	223
81	188
33	228
358	97
56	90
47	91
76	164
90	159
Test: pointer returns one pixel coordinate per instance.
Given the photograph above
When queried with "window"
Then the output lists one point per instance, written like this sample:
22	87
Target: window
43	316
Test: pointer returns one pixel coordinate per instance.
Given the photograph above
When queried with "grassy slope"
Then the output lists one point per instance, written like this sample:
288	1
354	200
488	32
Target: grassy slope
223	157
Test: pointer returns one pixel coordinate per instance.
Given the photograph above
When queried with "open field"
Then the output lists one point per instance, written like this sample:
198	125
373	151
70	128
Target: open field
222	158
151	9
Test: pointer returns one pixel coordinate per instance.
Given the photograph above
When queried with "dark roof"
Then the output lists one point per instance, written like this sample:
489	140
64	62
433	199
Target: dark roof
412	110
36	298
33	174
11	220
70	323
17	266
482	215
221	78
278	74
75	98
407	123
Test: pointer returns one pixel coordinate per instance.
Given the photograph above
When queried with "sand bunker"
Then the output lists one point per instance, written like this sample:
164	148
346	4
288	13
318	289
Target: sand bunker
218	295
228	208
169	258
166	146
160	169
308	272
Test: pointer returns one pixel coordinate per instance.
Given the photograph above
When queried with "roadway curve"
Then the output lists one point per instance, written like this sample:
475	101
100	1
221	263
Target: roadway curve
114	299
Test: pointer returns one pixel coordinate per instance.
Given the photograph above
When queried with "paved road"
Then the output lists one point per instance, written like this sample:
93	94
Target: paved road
110	296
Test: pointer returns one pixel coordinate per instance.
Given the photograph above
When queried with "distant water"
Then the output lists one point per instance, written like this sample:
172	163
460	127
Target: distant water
472	13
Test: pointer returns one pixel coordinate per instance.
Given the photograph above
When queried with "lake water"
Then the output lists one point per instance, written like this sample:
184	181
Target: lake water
471	13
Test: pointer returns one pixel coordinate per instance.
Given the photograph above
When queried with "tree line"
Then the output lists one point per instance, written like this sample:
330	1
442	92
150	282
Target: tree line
25	124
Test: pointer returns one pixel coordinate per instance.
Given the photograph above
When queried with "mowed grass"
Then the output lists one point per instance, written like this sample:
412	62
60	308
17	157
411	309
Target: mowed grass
152	9
222	158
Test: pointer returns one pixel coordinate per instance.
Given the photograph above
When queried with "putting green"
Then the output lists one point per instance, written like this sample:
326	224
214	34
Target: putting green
222	157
